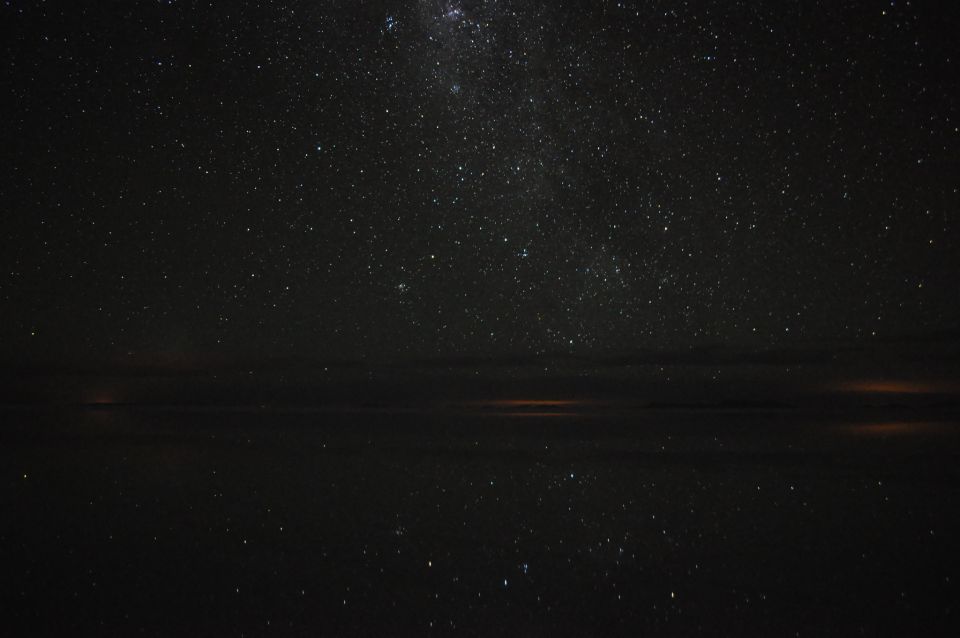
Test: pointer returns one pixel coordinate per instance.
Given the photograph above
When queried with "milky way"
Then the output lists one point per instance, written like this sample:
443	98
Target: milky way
445	177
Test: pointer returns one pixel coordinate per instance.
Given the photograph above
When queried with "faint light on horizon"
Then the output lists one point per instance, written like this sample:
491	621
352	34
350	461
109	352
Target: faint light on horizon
531	403
898	387
898	428
102	398
531	407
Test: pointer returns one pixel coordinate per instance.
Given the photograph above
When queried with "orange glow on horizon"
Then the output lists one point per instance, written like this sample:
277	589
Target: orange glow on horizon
531	403
538	414
890	428
898	387
529	407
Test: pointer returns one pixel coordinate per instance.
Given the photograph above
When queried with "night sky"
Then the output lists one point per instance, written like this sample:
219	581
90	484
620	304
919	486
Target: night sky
496	317
432	179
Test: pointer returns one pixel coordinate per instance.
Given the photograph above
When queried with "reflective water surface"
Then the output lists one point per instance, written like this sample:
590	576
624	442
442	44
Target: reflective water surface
465	519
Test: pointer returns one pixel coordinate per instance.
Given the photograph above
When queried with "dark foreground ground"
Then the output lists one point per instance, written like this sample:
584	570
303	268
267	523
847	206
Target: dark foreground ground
121	521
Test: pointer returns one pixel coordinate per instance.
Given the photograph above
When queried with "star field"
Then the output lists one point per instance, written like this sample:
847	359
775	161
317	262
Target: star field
435	178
